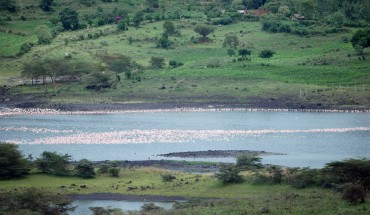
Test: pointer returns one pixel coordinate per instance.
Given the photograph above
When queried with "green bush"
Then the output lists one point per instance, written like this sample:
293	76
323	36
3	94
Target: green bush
114	171
168	177
85	169
229	173
354	194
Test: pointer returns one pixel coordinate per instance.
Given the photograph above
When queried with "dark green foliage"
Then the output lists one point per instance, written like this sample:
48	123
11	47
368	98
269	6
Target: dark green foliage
174	64
169	28
35	202
121	26
157	62
275	26
266	53
276	174
253	4
45	5
354	194
114	171
138	18
227	20
69	19
230	52
106	211
8	5
103	168
244	53
302	178
99	80
152	4
147	207
248	162
12	163
164	42
54	163
85	169
229	174
355	171
25	47
119	63
168	177
361	38
231	41
204	30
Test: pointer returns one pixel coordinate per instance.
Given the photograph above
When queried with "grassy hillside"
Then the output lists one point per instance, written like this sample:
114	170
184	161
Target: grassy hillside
317	70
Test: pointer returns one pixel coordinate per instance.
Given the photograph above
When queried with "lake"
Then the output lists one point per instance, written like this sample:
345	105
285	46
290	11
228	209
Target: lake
307	138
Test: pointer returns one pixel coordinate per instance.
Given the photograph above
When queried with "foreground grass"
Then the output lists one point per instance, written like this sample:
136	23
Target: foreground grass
244	198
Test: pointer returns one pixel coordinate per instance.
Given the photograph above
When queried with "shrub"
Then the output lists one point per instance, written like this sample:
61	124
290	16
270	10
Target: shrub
85	169
168	177
150	207
157	62
354	194
103	168
174	64
114	171
25	47
229	174
121	26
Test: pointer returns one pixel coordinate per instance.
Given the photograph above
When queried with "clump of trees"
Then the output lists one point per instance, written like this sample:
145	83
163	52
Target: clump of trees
54	163
53	68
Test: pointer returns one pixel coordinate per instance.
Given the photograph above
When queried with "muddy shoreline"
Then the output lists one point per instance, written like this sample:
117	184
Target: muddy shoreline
123	197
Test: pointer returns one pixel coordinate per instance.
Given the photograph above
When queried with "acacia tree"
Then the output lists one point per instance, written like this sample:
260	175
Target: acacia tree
229	174
248	162
355	171
138	18
204	31
12	163
53	163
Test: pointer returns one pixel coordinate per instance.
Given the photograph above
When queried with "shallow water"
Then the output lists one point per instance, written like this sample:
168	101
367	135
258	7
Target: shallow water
308	138
84	205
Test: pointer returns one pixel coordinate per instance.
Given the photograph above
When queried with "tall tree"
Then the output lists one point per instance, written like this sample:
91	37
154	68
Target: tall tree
12	163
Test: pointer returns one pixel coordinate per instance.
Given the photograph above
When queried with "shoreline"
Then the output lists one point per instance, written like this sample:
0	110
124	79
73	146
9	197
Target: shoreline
124	197
5	111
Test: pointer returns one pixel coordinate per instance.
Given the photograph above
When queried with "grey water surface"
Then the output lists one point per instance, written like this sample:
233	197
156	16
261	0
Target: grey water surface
307	138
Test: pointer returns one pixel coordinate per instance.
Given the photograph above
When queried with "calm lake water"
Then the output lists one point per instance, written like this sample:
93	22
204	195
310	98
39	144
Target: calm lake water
308	138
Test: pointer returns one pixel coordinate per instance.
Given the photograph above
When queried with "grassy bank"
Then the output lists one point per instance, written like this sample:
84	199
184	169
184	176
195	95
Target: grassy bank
234	199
